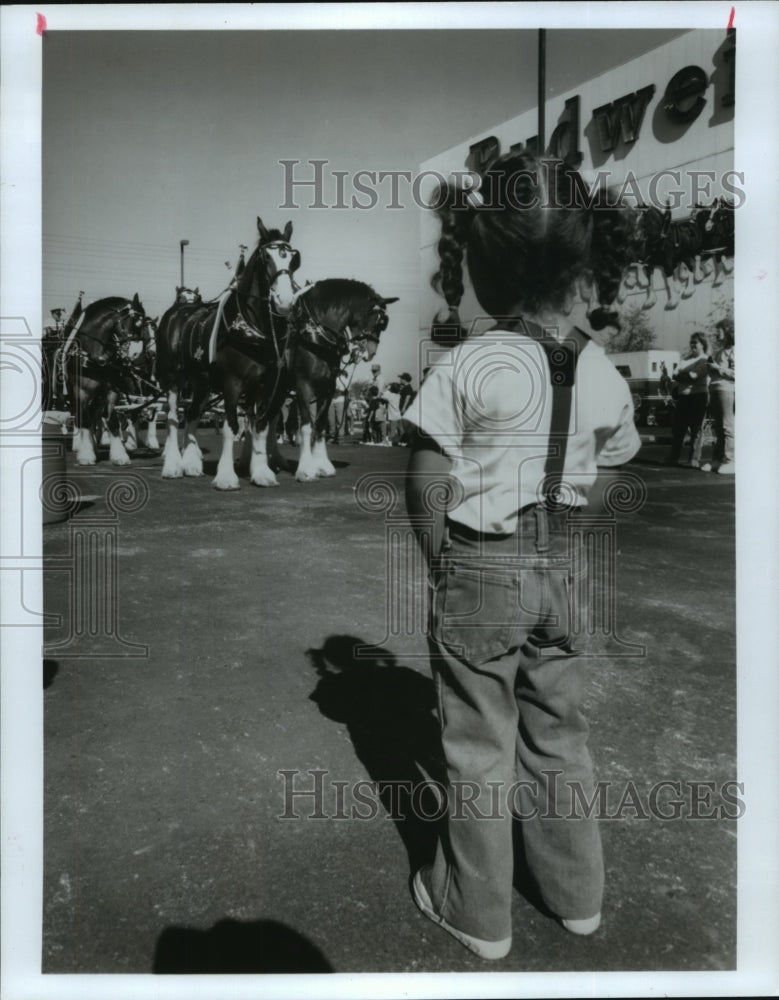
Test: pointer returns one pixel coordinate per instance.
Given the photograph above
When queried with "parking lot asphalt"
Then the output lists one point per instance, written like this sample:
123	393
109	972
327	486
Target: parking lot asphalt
229	667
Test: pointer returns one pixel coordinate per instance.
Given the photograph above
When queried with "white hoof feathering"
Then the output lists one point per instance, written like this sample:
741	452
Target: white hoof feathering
225	478
260	472
117	453
172	467
324	467
192	460
86	450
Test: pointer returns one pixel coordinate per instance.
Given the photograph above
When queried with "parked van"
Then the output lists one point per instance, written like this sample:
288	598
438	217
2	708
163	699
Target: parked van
643	372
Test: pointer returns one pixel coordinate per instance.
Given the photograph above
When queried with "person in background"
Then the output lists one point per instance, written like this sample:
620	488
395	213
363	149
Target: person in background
722	404
369	415
380	419
692	400
392	399
377	383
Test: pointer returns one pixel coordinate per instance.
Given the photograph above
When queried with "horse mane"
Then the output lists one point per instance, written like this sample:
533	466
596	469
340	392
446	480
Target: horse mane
113	302
337	300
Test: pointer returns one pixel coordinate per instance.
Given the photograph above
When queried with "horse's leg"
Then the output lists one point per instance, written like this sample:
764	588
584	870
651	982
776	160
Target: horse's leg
131	441
276	460
243	466
192	456
117	452
84	421
306	470
697	274
727	264
260	471
324	467
684	276
651	295
85	451
151	431
226	478
172	467
670	288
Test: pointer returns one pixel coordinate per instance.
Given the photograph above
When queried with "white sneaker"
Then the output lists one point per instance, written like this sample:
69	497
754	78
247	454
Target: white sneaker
728	469
484	949
582	927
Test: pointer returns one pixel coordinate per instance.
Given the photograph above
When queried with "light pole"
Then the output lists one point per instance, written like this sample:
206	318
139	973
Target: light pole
182	244
541	90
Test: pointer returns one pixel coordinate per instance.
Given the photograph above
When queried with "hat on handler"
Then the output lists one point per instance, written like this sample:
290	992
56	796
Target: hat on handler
405	376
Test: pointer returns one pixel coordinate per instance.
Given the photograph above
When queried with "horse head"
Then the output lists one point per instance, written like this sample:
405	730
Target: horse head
132	336
368	328
278	262
187	296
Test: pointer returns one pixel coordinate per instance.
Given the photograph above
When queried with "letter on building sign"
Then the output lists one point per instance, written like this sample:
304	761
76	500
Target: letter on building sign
729	55
482	153
564	143
622	118
684	98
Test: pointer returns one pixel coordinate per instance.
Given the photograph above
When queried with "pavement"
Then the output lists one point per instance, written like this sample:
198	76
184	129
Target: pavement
220	653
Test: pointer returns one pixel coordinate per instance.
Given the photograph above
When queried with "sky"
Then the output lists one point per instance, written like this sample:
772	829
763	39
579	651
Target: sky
152	137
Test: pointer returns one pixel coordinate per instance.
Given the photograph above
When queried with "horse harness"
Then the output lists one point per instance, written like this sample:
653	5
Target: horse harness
118	363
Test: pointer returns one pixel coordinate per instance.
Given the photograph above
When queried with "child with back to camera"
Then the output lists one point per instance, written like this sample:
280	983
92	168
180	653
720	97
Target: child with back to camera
517	421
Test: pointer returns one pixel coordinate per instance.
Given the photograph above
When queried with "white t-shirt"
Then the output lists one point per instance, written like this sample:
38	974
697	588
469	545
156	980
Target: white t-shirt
488	404
393	404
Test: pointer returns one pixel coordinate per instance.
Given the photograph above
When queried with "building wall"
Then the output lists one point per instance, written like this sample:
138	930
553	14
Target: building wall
660	144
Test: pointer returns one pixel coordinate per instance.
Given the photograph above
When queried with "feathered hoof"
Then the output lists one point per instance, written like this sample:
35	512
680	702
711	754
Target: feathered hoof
306	477
172	470
192	471
265	480
226	483
121	461
325	473
86	461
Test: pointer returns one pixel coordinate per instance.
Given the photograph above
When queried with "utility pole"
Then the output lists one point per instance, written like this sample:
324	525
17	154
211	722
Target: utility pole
182	244
541	90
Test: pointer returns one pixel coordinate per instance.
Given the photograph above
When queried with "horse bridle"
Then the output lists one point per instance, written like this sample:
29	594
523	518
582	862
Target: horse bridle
294	264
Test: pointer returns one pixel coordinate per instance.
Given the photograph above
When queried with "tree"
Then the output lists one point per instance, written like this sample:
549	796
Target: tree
635	333
358	387
721	323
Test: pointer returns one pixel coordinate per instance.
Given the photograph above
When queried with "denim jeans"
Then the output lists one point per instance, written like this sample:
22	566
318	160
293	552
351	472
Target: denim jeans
723	412
690	414
510	687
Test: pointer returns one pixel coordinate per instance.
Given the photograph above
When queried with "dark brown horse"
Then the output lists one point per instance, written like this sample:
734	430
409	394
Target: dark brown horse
231	347
334	321
97	364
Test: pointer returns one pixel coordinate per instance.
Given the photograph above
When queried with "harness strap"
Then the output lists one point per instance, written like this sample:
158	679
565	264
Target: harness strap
219	313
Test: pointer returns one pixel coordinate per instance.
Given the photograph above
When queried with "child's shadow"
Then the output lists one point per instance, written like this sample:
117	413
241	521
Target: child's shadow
389	712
